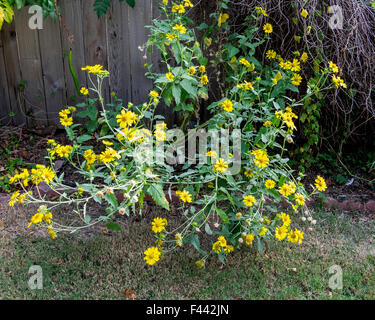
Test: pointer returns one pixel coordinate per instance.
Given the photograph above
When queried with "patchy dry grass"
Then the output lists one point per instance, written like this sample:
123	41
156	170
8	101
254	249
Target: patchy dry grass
101	266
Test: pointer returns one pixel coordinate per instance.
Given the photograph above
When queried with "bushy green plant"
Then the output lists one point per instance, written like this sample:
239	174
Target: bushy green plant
232	208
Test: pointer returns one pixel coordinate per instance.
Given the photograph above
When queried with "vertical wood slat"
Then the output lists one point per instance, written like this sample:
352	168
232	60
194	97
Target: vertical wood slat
52	69
71	11
13	72
95	40
139	17
31	69
118	51
4	92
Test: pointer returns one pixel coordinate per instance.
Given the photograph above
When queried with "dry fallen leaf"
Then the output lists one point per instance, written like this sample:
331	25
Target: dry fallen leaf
129	293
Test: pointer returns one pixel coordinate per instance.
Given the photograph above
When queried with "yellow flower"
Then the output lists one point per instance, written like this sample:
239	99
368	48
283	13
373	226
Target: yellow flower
170	76
249	239
126	118
199	264
188	4
66	122
261	159
267	124
204	79
208	41
268	28
184	196
270	184
300	199
296	79
249	174
37	218
170	36
287	65
84	91
285	218
296	67
260	10
158	225
192	70
304	13
160	135
304	57
109	155
271	54
277	78
233	60
90	157
97	70
246	86
221	165
223	17
281	233
227	105
285	190
178	8
154	94
295	236
320	184
48	217
249	200
180	28
333	67
165	2
212	154
152	255
14	198
263	231
51	232
338	82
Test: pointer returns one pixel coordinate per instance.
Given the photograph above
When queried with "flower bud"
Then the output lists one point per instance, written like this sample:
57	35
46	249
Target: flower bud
122	211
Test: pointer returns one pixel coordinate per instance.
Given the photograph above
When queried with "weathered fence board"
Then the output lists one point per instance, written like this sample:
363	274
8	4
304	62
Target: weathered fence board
35	80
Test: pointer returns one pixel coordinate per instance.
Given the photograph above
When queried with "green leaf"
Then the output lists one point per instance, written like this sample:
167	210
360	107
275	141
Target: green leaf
112	200
208	229
176	91
113	226
189	88
83	138
157	193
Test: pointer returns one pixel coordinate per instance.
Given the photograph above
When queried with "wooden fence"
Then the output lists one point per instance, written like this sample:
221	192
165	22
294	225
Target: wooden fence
35	81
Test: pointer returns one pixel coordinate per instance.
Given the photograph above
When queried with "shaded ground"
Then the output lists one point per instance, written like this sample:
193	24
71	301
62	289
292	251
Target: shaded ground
101	265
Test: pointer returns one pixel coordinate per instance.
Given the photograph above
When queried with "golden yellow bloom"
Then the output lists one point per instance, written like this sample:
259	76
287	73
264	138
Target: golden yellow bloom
158	225
249	239
223	17
333	67
84	91
90	157
285	218
188	3
249	200
154	94
199	264
208	41
97	70
300	199
304	57
249	174
192	70
245	62
320	184
180	28
267	28
296	66
170	76
246	86
281	233
51	232
260	10
295	236
185	196
221	165
338	82
296	79
178	8
204	79
160	135
170	36
152	255
271	54
285	190
66	122
270	184
277	78
262	231
126	118
304	13
109	155
227	105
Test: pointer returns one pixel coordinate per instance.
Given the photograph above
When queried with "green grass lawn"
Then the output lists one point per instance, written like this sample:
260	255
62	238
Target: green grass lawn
102	266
